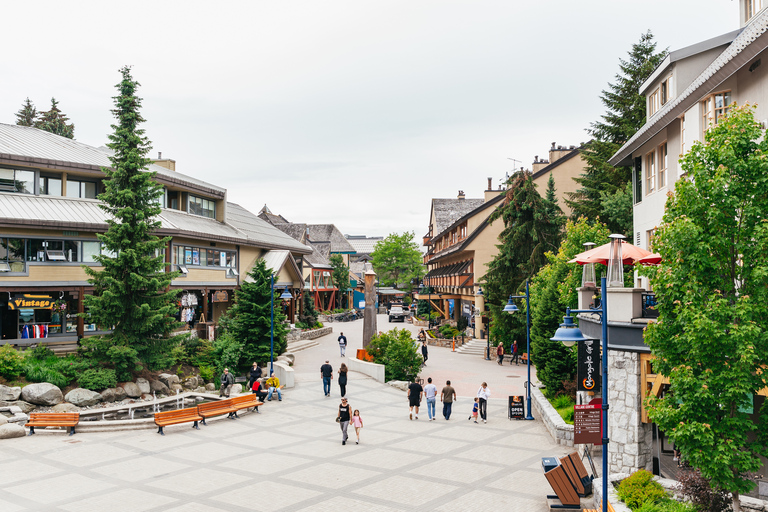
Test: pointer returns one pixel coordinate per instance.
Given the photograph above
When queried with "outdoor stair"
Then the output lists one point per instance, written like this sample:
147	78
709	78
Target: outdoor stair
475	347
299	345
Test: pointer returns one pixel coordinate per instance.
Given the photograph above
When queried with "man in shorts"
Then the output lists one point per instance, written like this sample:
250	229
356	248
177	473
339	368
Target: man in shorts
414	397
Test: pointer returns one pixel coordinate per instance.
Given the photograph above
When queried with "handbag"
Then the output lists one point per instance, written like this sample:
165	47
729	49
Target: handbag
338	419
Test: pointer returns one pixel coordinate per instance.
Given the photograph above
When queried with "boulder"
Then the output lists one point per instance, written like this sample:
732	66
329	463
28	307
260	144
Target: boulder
168	379
210	387
175	388
199	389
191	383
158	387
120	394
3	420
19	417
21	404
65	407
82	397
143	386
42	393
132	390
399	384
11	430
9	393
108	395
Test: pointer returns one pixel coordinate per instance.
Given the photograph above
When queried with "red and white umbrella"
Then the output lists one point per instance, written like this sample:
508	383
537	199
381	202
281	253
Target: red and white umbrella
630	254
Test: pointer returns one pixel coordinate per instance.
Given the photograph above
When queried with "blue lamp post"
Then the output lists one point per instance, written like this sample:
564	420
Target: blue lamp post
569	335
511	308
285	295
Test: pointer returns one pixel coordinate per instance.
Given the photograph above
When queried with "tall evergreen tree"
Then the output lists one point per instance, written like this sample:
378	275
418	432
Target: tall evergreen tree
55	121
626	113
131	292
554	212
340	275
27	114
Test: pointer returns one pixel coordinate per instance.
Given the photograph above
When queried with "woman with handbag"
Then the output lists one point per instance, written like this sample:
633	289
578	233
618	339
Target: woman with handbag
343	419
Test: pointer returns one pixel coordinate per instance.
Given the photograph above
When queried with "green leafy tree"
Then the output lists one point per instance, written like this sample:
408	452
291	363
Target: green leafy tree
397	260
397	351
626	113
131	291
55	121
711	338
27	114
340	275
250	318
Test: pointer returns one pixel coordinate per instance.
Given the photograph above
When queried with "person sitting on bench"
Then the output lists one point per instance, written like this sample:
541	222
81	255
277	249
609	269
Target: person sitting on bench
273	384
256	390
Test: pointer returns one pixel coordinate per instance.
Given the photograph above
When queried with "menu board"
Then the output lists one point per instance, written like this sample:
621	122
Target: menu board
516	407
587	424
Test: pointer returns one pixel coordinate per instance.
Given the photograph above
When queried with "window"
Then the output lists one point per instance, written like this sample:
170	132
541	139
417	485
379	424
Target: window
203	257
753	7
649	237
682	135
16	180
662	176
654	102
61	250
81	189
638	179
666	90
12	255
650	172
713	108
202	207
90	250
50	186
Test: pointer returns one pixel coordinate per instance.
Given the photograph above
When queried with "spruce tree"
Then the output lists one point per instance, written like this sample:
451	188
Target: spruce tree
27	114
55	121
626	113
131	291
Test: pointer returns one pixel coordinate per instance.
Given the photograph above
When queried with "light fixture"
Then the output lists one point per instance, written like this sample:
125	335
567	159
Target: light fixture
568	333
510	307
479	292
286	295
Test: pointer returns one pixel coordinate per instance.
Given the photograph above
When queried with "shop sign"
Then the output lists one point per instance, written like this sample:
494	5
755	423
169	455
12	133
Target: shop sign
516	407
220	296
32	301
588	365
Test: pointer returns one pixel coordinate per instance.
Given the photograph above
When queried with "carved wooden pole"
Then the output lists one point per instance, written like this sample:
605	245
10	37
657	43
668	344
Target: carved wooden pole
369	315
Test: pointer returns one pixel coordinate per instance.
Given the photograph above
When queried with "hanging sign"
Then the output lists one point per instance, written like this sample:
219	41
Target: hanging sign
31	301
220	296
587	424
588	366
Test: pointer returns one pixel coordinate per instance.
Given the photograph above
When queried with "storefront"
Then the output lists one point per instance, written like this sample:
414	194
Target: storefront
26	317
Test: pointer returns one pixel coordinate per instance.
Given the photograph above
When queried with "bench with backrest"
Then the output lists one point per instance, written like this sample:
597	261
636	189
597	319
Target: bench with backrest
163	419
53	419
246	401
565	493
524	357
577	474
217	408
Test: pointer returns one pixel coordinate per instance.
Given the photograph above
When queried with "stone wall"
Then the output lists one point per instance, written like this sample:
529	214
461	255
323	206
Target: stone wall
560	431
630	446
298	334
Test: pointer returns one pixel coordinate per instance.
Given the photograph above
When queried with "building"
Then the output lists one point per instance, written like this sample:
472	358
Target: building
50	218
564	164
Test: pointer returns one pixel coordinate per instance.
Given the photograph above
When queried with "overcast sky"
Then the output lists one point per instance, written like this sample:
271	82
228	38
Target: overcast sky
355	112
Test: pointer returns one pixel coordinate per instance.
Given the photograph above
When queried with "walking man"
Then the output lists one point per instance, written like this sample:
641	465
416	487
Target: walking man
227	380
447	396
483	394
414	397
500	353
326	371
515	353
343	419
343	344
424	351
430	392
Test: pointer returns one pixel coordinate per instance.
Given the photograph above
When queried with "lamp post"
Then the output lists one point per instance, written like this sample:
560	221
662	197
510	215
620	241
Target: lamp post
285	295
512	308
488	339
569	335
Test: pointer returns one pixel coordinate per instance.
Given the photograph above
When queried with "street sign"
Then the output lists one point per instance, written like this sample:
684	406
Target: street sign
588	366
587	424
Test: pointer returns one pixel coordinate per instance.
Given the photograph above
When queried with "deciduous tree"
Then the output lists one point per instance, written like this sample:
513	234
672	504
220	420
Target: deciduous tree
340	276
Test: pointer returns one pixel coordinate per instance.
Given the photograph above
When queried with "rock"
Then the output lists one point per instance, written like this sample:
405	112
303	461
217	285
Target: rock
399	384
210	387
120	394
168	379
175	388
11	430
18	418
237	389
10	393
199	389
82	397
65	407
143	386
158	387
191	383
42	393
132	390
15	410
108	395
21	404
3	420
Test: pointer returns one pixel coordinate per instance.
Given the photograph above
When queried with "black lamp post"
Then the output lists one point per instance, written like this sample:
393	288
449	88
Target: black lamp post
512	308
569	335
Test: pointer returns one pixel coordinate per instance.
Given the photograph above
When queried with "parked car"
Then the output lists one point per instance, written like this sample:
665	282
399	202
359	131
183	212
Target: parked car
396	313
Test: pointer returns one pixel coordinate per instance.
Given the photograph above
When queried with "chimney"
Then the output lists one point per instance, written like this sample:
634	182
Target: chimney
159	155
461	195
165	162
490	183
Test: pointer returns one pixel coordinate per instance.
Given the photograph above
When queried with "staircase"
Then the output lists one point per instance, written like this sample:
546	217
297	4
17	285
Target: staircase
299	345
475	347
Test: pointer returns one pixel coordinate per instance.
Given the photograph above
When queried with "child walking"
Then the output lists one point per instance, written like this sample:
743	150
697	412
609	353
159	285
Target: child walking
357	422
474	411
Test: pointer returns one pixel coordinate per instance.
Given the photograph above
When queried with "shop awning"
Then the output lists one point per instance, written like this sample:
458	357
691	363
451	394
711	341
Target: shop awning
455	269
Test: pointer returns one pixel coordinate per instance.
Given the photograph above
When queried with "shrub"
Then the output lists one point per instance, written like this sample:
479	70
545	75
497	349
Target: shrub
396	350
40	352
228	352
39	371
69	366
202	353
104	350
462	323
561	401
97	380
207	373
694	486
667	505
11	362
640	488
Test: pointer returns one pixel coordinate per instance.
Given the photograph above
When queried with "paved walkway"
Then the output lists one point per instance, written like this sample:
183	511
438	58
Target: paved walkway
290	458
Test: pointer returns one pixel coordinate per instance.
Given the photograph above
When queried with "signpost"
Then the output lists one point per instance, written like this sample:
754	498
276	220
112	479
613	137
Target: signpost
516	407
587	424
587	366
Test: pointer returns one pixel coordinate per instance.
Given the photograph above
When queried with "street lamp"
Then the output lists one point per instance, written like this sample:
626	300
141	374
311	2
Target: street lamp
569	335
285	295
512	308
488	339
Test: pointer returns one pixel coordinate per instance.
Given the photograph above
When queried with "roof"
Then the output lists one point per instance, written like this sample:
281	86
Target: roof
261	232
453	269
266	214
486	204
364	245
330	233
319	256
745	47
295	231
277	259
549	168
446	211
35	148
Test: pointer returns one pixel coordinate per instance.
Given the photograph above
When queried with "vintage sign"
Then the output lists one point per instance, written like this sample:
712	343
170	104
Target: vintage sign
516	407
587	424
588	365
220	296
31	301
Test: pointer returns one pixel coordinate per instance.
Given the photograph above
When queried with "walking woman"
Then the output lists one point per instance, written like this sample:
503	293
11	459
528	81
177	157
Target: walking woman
483	394
500	353
343	419
343	379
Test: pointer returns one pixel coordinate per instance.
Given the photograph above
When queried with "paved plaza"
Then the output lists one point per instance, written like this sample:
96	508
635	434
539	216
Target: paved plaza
290	457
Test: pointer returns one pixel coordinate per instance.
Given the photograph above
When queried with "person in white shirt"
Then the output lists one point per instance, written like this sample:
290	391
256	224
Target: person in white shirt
430	392
483	394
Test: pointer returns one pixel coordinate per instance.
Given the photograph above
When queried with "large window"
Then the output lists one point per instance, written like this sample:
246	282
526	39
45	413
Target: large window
713	108
202	207
662	174
82	189
12	255
753	7
187	255
638	179
65	251
50	186
17	180
650	172
666	90
654	102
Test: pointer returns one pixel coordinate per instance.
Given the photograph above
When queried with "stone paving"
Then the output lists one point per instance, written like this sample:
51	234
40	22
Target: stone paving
290	458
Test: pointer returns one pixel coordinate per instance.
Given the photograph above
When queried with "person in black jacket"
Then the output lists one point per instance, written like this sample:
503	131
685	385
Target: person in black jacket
227	380
343	419
254	375
343	379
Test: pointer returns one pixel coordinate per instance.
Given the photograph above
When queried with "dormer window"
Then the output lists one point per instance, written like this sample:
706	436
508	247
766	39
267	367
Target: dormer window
654	102
201	206
666	90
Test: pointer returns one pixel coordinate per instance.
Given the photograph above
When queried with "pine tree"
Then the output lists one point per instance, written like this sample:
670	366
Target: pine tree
554	213
55	121
131	292
27	114
624	116
250	317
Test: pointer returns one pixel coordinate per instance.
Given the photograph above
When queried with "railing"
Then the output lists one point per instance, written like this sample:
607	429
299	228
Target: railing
649	305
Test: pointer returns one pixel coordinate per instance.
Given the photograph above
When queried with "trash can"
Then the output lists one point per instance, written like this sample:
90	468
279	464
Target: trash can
548	463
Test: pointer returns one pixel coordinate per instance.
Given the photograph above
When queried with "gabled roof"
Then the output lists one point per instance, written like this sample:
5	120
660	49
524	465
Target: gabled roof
319	257
266	214
551	167
330	233
276	260
261	232
295	231
364	245
750	42
446	211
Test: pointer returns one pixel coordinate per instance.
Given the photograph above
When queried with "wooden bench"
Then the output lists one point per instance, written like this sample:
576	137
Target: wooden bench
211	409
610	509
53	419
564	491
246	401
163	419
577	474
524	357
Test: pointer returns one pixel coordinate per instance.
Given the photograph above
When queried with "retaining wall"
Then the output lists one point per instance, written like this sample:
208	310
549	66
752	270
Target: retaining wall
298	334
560	431
371	369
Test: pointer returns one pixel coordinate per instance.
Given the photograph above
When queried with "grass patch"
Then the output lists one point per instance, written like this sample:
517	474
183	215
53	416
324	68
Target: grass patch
563	404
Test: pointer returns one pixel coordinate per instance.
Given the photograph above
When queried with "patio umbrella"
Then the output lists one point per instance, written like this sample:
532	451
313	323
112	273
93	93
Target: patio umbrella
630	254
651	259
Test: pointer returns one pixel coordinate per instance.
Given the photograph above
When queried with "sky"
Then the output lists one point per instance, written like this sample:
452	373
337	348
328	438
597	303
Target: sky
355	113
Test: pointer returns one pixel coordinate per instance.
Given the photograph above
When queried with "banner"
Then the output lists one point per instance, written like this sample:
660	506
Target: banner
588	366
